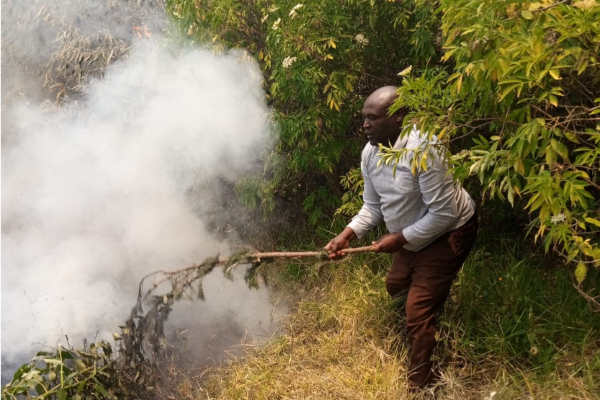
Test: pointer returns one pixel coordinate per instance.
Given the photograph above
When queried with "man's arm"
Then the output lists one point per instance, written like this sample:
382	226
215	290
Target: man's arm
389	243
438	192
367	218
370	214
336	246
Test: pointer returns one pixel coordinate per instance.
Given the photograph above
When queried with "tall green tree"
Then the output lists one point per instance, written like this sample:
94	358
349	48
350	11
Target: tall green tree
512	88
525	87
320	59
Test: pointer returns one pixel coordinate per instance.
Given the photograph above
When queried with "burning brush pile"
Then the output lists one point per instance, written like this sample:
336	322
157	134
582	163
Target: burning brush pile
98	371
133	371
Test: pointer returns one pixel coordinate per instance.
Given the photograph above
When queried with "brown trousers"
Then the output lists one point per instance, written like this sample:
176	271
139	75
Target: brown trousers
428	275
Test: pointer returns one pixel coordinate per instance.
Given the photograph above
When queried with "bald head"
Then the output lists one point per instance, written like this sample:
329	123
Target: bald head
383	97
379	127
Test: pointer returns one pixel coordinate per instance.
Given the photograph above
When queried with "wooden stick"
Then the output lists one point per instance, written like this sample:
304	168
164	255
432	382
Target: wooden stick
296	254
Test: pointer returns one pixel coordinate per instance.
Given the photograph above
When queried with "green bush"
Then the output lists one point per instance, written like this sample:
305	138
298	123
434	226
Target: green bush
511	88
320	59
524	89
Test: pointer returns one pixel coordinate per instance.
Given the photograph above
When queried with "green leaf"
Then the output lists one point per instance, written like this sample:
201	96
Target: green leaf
453	76
559	148
527	14
593	221
40	389
519	166
571	136
550	156
100	389
62	394
580	272
572	255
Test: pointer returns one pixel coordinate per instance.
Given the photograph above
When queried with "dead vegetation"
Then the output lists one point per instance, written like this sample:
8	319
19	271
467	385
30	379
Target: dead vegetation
64	45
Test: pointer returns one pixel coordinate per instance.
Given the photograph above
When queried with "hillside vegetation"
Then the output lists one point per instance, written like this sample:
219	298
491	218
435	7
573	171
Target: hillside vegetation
510	88
511	327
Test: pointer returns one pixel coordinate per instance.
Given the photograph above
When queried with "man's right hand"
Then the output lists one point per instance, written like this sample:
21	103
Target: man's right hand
336	246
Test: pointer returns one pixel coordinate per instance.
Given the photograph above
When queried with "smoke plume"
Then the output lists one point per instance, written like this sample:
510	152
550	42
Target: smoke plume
99	192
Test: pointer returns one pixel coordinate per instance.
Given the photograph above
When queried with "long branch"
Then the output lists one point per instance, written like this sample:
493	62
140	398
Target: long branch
166	276
259	256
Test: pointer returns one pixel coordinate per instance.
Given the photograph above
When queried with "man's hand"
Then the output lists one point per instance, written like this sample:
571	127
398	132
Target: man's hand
390	243
336	246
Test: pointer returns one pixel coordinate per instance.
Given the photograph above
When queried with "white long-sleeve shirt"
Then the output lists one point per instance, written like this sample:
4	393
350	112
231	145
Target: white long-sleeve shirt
423	206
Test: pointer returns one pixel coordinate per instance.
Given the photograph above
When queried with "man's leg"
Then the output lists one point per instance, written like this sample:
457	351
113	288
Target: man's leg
433	270
397	282
399	277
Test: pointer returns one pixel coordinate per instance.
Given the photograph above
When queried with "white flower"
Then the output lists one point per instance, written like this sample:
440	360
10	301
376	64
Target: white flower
276	24
296	8
288	61
360	38
558	218
405	71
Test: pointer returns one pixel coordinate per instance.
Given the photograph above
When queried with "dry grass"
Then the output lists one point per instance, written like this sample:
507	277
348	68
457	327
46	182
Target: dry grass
79	59
338	345
344	341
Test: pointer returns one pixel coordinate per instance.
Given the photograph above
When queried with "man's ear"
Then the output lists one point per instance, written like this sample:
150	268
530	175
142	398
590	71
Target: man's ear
400	114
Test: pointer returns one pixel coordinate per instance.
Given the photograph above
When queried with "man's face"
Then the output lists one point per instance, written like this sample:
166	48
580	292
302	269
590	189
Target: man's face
378	126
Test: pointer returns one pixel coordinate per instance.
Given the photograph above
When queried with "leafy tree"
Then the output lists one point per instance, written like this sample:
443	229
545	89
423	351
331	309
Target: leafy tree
525	86
320	59
512	88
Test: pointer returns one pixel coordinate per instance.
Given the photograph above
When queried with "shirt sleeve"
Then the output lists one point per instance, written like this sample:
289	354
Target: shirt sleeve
370	214
437	189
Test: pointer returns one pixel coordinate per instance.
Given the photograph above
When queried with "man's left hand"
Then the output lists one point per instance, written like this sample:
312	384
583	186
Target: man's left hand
389	243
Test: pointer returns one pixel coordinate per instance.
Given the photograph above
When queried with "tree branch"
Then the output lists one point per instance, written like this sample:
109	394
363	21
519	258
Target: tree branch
550	6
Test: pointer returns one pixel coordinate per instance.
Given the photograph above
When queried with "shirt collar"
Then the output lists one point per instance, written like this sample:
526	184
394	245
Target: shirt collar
402	140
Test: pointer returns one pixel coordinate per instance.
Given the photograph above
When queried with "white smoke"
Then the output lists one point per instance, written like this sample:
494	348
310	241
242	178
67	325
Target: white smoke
92	200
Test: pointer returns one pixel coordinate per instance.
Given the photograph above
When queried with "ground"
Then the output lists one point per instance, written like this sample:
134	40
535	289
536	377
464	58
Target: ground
512	329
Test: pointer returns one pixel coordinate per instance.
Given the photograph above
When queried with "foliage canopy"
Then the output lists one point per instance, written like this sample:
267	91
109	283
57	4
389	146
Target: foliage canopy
524	87
320	59
513	88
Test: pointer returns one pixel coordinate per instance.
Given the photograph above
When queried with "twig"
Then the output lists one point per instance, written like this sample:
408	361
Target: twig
550	6
593	302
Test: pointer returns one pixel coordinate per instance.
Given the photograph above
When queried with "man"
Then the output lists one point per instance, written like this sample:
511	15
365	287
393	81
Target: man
431	220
